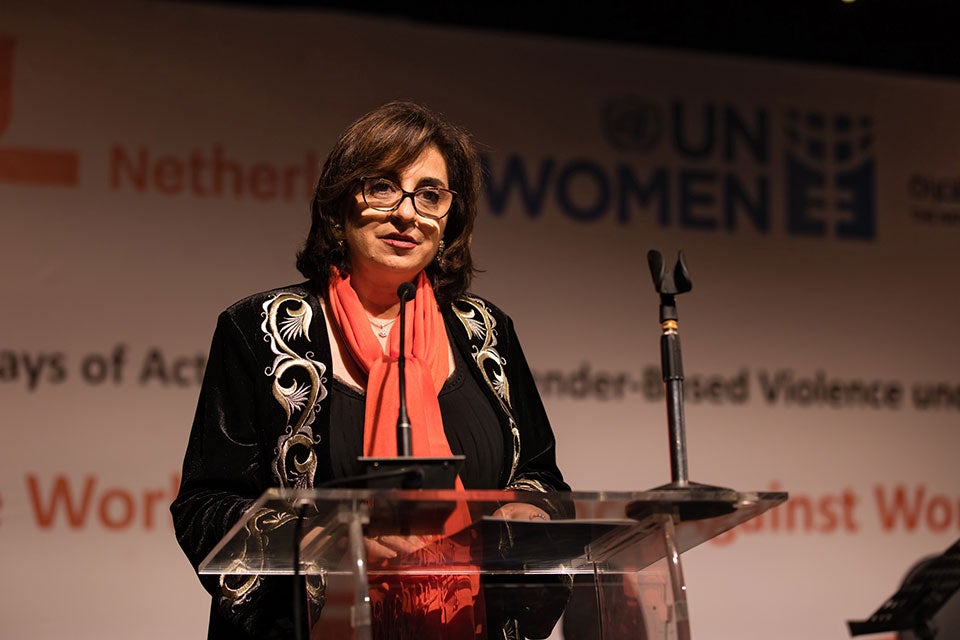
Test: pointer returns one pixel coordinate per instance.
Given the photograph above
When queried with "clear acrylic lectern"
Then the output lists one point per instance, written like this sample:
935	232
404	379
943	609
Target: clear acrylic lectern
585	564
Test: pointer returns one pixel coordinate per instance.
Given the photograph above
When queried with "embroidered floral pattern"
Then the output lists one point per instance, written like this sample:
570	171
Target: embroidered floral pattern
243	577
480	325
298	386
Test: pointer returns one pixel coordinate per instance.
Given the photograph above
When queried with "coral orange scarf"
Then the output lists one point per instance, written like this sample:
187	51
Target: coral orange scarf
436	607
427	366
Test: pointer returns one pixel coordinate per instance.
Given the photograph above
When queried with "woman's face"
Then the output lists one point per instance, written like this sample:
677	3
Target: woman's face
395	246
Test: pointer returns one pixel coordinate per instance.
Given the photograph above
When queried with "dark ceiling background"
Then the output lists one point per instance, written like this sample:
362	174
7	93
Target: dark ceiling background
918	37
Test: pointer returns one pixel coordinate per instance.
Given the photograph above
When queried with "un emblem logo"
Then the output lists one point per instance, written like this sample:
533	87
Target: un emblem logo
631	123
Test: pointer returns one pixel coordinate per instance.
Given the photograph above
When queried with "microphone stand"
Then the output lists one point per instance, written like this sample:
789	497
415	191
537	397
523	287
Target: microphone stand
705	501
670	284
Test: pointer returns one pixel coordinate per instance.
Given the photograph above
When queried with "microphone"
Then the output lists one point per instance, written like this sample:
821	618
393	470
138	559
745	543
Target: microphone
405	292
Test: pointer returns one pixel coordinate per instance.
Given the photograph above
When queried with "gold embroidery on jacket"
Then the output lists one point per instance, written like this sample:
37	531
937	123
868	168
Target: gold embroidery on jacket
297	386
243	577
528	484
480	326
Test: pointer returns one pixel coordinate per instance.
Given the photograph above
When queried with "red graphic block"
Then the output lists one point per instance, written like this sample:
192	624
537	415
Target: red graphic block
27	165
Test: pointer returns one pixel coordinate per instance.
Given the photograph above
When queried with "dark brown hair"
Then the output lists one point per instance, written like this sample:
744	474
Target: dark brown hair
388	139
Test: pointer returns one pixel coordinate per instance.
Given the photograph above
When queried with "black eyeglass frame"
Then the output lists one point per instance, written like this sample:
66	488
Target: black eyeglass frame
404	194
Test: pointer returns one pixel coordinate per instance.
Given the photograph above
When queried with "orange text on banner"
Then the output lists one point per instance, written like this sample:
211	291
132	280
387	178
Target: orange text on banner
85	504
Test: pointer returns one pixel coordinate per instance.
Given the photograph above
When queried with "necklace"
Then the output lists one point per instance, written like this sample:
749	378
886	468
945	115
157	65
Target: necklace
383	328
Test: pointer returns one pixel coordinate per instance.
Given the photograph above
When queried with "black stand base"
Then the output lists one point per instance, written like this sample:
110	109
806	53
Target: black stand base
406	473
689	501
402	473
412	473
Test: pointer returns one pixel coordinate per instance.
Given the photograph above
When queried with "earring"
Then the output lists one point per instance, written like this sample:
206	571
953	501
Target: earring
439	257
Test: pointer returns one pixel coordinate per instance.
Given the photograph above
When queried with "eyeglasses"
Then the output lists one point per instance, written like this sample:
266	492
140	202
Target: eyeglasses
381	194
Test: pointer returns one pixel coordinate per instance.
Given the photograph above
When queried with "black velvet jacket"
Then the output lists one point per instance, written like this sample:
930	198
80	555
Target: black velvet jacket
262	421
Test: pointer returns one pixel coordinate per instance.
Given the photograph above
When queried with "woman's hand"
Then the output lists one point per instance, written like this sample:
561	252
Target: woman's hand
389	547
521	511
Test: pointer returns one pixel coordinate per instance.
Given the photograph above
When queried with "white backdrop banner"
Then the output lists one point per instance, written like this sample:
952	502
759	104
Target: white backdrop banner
156	161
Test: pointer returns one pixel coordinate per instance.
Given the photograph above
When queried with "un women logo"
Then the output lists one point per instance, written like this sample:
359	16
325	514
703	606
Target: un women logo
830	174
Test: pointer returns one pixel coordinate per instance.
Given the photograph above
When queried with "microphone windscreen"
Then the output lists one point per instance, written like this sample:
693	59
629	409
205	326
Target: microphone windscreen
405	291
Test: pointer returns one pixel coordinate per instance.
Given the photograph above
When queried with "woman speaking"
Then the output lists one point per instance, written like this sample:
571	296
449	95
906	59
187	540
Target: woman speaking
303	380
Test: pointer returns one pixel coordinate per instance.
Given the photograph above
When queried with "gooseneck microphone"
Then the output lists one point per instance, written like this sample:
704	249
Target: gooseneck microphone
405	292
